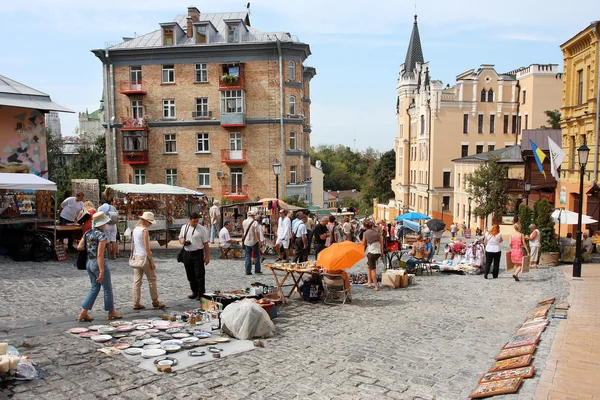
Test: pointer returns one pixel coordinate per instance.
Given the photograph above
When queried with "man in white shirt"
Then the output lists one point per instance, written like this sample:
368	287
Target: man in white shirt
196	254
284	227
70	208
587	245
226	243
251	242
215	220
300	233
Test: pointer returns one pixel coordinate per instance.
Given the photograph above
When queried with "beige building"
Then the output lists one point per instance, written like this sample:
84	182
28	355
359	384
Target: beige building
316	179
208	102
436	124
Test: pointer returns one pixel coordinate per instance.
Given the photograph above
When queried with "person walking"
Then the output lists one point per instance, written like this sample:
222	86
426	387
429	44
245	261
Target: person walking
301	244
284	229
94	242
437	239
492	251
464	228
453	229
310	225
321	233
373	244
535	245
111	228
517	241
347	229
141	249
70	208
196	254
251	241
215	220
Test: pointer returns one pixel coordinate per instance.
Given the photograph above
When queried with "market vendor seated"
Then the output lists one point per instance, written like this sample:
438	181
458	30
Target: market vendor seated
587	246
226	243
566	242
417	254
429	249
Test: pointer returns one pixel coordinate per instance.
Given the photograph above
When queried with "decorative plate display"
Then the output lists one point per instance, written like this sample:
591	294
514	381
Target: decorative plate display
122	346
191	339
151	330
173	330
137	343
101	338
137	333
151	353
172	342
151	341
88	334
142	327
494	388
125	328
106	331
127	339
132	351
511	363
172	348
119	335
96	327
141	321
77	331
202	335
180	335
152	346
172	361
523	372
176	325
221	340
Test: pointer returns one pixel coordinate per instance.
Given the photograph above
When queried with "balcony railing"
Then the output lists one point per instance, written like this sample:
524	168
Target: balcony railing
135	157
233	156
233	119
201	114
229	82
235	192
133	87
513	185
134	124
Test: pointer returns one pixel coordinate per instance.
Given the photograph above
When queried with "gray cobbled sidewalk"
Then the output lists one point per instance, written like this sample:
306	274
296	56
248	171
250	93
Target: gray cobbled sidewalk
431	340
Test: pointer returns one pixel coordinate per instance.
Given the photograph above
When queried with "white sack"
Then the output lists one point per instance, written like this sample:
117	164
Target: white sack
246	320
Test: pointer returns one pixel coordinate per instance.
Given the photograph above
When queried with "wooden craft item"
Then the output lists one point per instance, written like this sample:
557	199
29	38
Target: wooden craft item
563	305
511	363
524	339
61	255
532	328
534	323
515	352
547	301
523	372
494	388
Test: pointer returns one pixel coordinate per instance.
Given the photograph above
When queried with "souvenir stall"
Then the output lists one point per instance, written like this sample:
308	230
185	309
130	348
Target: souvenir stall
26	199
236	213
171	206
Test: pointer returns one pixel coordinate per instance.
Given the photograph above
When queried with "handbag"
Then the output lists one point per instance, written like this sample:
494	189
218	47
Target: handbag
180	254
81	261
246	233
136	262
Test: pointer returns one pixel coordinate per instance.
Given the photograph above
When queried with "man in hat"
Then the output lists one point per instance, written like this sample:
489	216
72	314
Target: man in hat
251	242
196	254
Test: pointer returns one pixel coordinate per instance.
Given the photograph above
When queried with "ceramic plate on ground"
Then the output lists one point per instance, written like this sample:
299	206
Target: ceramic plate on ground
137	333
101	338
172	342
152	346
172	361
164	336
119	323
122	346
141	321
77	331
190	339
194	328
221	340
119	335
176	325
106	331
172	348
126	340
96	327
180	335
196	353
88	334
153	353
125	328
162	327
151	330
110	343
208	342
188	346
132	351
151	341
202	335
142	327
137	343
173	330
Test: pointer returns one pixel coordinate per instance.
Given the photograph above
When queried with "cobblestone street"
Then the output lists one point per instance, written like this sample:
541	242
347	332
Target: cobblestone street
431	340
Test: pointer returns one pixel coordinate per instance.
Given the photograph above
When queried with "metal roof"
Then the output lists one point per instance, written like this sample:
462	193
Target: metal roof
540	138
15	94
414	53
512	153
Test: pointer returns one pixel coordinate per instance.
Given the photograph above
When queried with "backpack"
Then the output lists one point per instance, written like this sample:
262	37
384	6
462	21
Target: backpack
114	216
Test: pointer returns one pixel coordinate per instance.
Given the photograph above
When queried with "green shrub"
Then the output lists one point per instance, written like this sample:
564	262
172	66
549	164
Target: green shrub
545	224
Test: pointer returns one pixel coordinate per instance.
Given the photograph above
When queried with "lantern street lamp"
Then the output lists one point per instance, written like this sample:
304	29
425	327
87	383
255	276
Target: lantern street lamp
527	191
469	200
583	152
277	172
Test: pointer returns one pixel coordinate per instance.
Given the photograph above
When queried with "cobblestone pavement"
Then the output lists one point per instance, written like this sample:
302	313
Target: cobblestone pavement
431	340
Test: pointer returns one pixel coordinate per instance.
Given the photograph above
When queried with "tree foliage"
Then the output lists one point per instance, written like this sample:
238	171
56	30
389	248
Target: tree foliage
545	224
525	218
295	201
553	119
487	188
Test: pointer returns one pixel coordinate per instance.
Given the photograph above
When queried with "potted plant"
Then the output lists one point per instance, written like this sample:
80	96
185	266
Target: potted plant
525	218
550	250
229	79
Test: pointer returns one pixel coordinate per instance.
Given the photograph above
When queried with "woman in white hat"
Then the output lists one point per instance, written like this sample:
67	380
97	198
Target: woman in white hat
141	248
94	242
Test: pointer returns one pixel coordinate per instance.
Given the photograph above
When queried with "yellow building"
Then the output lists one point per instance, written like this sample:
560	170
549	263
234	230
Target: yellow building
483	111
579	122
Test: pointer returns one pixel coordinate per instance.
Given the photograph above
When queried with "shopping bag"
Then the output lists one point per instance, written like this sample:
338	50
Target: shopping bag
509	263
525	264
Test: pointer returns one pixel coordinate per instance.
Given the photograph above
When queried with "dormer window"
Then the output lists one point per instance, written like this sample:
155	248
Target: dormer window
233	33
168	37
202	34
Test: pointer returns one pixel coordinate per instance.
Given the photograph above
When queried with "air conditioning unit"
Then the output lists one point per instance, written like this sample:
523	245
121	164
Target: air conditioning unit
220	174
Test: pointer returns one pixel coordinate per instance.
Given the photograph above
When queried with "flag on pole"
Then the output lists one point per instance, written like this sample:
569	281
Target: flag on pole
557	155
539	156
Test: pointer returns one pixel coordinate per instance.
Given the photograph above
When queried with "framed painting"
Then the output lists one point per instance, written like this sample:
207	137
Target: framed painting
511	363
523	372
534	323
515	352
494	388
524	339
547	301
533	328
563	305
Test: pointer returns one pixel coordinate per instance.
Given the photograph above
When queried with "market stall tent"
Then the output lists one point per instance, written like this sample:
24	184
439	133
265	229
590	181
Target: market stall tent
25	182
153	188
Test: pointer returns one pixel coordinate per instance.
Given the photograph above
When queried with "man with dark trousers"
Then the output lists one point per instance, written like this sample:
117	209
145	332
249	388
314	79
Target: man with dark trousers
321	233
196	254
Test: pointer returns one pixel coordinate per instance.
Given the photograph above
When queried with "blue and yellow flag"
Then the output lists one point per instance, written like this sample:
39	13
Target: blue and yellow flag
539	157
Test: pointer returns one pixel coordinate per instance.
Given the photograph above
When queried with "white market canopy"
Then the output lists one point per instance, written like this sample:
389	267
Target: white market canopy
566	217
153	188
16	181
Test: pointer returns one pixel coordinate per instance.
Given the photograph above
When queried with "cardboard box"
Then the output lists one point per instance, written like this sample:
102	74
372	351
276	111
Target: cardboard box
404	280
509	264
391	279
525	263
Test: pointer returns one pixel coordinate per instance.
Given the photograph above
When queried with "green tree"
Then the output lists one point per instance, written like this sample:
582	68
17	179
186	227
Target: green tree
487	188
91	162
295	201
525	218
380	182
545	224
553	119
57	170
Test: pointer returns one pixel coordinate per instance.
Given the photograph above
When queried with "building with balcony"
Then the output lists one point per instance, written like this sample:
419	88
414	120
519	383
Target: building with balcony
208	102
437	123
580	120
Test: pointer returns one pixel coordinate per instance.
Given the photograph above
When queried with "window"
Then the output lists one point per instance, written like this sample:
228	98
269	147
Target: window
171	174
479	149
491	147
139	176
505	127
232	101
524	100
292	105
490	96
483	95
464	213
236	180
168	73
293	174
137	109
135	74
135	141
573	150
446	179
492	123
170	143
292	70
167	37
480	123
233	33
202	143
422	124
203	177
201	108
466	123
519	123
526	121
235	141
514	124
446	203
201	34
292	140
201	73
464	151
458	181
169	108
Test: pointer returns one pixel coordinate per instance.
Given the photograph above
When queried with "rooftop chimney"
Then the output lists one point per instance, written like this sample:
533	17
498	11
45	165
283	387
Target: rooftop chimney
193	16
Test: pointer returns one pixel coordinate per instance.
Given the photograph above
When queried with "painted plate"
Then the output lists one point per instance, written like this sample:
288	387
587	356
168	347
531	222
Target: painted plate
137	343
173	330
96	327
188	346
202	335
208	342
172	342
162	327
132	351
180	335
122	346
142	327
88	334
137	333
190	339
152	346
222	340
107	331
172	361
101	338
151	330
128	340
151	341
176	325
164	336
110	343
172	348
119	335
119	323
141	321
78	330
153	353
125	328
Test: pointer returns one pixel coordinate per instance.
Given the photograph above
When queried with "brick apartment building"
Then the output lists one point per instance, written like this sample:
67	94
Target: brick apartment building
209	103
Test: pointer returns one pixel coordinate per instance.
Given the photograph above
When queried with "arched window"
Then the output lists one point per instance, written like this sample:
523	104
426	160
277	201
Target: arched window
483	95
292	70
490	96
292	105
422	124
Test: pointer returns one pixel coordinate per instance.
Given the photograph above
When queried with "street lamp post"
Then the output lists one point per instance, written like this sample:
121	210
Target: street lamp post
337	200
277	172
527	191
443	211
583	152
469	200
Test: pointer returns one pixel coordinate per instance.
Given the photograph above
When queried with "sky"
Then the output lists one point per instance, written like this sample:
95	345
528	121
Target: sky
357	47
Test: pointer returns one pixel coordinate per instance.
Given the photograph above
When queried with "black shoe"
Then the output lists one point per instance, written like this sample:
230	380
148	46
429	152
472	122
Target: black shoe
485	276
193	296
258	273
516	279
248	273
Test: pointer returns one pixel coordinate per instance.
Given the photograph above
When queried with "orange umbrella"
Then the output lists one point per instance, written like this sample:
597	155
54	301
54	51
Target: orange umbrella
340	256
282	203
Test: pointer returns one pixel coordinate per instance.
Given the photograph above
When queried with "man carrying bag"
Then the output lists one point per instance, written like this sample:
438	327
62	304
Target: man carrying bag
195	254
251	241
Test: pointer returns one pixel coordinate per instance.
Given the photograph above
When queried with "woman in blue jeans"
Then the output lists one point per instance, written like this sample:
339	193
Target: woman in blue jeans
94	241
